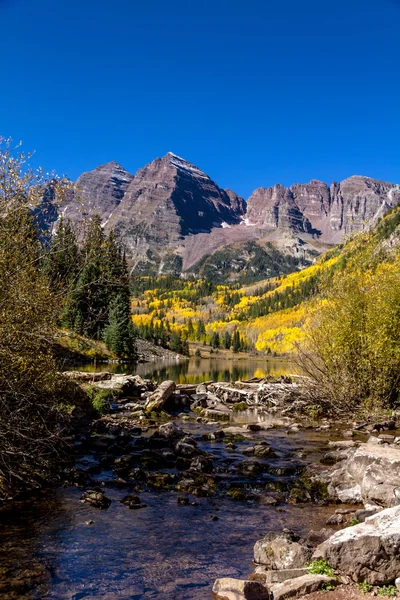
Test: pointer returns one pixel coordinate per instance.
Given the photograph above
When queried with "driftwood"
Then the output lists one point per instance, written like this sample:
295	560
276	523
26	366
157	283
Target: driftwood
88	377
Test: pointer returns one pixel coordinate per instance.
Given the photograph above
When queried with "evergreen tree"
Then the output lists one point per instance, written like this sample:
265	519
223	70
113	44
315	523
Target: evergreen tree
119	334
62	261
236	342
215	341
227	340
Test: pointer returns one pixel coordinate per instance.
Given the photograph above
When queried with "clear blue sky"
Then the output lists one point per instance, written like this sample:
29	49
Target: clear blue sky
254	92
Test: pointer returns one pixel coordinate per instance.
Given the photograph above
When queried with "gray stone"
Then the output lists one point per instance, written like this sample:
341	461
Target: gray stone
170	431
268	577
368	552
370	474
227	588
300	586
279	551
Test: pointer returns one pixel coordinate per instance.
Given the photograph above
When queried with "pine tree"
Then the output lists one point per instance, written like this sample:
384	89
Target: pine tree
227	340
119	334
236	342
215	341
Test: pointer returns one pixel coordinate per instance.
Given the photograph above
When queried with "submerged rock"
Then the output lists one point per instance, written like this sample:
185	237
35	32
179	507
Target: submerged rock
132	502
96	498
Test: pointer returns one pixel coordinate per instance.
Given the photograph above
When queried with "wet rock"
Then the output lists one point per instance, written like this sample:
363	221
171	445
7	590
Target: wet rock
183	500
263	451
161	481
237	589
132	502
171	431
158	398
336	520
185	449
281	551
252	467
385	426
362	513
300	586
96	498
202	464
368	552
198	401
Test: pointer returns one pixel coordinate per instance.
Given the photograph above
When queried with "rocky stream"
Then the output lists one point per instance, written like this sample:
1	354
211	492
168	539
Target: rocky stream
187	491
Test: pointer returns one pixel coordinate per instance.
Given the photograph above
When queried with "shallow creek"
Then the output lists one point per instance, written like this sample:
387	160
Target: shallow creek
51	550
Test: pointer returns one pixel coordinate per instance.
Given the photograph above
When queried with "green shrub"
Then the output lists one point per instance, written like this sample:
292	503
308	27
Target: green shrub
321	567
387	590
101	399
365	588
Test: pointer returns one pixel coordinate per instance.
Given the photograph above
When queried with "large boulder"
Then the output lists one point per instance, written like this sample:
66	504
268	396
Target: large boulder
160	396
370	474
227	588
368	552
279	551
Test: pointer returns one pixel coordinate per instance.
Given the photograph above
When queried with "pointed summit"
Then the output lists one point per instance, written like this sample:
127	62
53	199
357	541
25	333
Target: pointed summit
184	165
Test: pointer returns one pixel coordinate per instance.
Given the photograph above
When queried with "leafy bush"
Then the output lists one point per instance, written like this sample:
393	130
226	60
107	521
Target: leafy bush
365	588
321	567
387	590
101	399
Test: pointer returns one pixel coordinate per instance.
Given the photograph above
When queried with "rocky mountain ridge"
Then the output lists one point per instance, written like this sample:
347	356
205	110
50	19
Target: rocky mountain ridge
170	214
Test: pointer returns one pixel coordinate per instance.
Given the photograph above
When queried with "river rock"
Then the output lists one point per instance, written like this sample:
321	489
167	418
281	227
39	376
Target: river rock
279	551
96	498
368	552
158	398
300	586
238	589
132	502
370	474
171	431
202	464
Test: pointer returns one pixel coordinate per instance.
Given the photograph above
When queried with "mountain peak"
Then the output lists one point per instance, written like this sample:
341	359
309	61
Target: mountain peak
184	166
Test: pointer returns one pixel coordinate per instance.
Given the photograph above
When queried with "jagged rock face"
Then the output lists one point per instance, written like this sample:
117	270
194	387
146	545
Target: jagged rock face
275	207
360	200
99	192
326	213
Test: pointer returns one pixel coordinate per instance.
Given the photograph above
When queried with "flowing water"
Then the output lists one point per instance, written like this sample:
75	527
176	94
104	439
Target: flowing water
55	547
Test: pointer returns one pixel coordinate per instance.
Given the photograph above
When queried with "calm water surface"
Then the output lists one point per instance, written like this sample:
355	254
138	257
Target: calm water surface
196	370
